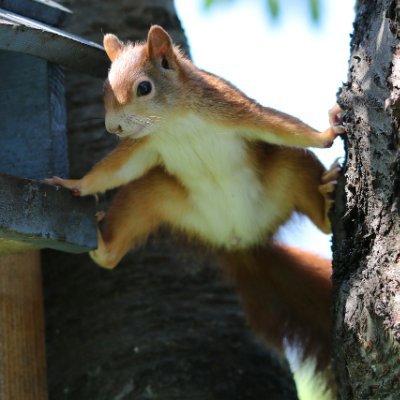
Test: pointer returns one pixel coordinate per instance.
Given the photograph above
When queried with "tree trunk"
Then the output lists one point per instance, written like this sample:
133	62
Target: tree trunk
163	324
367	221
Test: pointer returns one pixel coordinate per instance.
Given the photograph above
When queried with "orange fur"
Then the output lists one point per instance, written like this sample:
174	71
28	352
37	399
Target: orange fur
228	105
199	156
139	209
286	296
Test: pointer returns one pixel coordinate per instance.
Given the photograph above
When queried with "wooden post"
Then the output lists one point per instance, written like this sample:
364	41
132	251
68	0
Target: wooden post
33	145
22	340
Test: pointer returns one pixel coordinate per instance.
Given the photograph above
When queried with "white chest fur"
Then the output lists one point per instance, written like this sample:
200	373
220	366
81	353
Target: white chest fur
229	206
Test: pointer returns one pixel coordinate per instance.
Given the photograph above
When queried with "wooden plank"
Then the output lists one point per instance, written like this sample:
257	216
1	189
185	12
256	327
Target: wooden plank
47	11
27	36
46	216
22	341
33	139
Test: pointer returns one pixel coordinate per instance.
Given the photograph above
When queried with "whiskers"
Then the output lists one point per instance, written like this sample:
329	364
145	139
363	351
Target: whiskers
144	121
133	125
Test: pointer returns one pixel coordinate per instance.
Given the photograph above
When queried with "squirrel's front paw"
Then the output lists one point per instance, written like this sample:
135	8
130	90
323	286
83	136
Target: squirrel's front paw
74	185
329	181
335	129
336	119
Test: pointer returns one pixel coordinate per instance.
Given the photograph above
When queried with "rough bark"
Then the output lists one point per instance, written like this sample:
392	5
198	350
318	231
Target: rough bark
164	324
367	222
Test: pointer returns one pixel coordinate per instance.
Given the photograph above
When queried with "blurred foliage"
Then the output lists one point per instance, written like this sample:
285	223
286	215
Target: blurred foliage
274	7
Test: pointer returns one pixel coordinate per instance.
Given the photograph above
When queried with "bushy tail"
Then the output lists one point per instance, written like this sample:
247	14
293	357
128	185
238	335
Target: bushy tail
286	295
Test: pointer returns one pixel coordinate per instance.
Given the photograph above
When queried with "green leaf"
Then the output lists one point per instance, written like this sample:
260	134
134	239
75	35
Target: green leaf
273	6
209	3
315	8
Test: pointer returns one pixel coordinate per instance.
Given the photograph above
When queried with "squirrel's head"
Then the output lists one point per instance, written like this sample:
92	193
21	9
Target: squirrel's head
144	83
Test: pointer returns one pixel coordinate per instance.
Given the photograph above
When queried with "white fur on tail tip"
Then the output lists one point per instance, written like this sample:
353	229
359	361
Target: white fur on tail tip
310	384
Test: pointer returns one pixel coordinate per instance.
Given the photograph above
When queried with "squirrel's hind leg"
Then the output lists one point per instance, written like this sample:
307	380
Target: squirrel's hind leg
101	256
328	187
137	210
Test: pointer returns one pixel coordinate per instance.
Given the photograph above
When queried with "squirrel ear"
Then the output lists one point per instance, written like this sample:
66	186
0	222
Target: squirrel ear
159	43
113	46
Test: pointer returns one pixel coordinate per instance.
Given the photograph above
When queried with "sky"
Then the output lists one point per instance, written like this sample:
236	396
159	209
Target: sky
291	64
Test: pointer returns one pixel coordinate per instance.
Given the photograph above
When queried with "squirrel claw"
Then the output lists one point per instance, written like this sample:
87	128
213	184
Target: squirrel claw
71	184
329	180
52	181
339	129
336	119
100	215
75	192
333	172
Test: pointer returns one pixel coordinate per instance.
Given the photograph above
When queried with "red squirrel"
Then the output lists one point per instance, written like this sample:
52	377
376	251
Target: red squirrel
199	156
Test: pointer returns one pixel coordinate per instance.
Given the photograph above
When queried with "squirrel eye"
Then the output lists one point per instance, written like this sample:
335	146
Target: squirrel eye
144	88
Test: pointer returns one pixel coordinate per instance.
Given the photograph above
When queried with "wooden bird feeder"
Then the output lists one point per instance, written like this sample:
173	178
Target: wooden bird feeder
33	146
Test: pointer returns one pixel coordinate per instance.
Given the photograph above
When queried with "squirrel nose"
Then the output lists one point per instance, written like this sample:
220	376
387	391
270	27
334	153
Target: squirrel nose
116	130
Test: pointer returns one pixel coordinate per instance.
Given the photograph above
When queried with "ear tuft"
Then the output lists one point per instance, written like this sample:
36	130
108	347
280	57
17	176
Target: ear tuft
159	43
113	46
